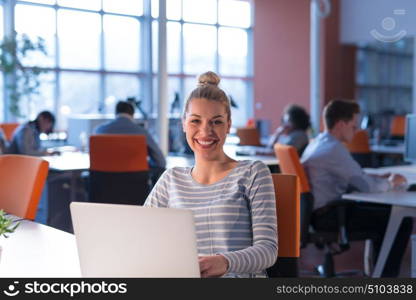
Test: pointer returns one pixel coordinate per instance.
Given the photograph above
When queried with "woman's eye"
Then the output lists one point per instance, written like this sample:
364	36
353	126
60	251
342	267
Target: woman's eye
218	122
195	121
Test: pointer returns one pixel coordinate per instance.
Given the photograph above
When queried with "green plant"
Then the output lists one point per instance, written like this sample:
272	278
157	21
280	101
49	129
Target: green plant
23	80
7	225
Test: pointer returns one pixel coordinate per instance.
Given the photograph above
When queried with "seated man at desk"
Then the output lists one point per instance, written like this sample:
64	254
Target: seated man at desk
332	171
26	138
124	124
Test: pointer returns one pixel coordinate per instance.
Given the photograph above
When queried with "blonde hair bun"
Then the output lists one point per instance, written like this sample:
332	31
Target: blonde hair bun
208	78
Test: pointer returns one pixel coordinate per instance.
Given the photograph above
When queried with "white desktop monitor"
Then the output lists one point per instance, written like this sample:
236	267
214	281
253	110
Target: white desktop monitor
410	139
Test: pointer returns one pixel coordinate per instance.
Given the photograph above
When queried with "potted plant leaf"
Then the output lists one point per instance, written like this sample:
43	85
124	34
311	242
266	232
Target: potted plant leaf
21	81
7	226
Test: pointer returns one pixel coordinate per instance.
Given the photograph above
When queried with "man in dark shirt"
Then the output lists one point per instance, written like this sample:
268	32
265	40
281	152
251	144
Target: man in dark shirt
124	124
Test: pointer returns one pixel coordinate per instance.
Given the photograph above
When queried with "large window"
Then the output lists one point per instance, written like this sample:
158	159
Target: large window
94	52
100	52
209	35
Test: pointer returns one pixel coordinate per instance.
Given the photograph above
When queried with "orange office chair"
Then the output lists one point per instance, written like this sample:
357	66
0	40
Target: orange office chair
9	129
287	192
360	142
398	127
249	136
324	239
360	148
289	163
119	172
22	179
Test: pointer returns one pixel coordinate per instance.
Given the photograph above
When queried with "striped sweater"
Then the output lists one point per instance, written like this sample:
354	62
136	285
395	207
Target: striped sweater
235	217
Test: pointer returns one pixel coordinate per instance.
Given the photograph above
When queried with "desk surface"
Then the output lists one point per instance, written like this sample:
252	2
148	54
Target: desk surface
36	250
400	198
403	205
384	149
78	161
408	171
68	161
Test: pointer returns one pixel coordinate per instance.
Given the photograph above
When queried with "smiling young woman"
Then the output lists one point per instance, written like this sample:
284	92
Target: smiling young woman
233	201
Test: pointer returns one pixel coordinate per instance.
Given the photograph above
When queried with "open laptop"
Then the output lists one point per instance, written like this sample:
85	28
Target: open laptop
133	241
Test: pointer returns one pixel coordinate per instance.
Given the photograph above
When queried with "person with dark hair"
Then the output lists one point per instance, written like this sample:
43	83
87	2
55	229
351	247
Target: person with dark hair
233	201
293	128
124	124
26	138
332	171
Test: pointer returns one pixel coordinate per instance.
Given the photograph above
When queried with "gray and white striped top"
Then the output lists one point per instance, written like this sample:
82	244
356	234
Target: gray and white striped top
236	216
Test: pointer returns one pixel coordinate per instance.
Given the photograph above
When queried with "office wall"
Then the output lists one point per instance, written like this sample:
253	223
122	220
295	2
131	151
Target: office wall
372	15
360	17
338	59
281	56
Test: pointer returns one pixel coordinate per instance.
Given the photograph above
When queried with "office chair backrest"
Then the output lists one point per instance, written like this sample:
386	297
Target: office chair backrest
359	143
118	153
9	129
249	136
287	193
22	179
397	126
119	172
289	163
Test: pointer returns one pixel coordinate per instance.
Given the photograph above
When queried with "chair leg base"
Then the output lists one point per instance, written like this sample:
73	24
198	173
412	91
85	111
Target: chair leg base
327	269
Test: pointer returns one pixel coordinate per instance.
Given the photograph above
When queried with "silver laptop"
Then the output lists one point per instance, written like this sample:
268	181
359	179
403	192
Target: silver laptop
134	241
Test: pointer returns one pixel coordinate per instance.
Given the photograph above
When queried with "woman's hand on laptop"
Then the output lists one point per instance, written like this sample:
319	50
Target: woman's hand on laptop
213	266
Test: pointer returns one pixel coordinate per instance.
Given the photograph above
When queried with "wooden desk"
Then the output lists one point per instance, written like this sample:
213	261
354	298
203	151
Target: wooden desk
36	250
403	205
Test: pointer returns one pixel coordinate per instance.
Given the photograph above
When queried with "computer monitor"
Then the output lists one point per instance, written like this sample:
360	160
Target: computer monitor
410	139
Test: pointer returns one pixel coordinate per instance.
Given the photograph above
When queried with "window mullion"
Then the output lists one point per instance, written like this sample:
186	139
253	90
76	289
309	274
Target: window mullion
57	89
147	58
9	79
102	85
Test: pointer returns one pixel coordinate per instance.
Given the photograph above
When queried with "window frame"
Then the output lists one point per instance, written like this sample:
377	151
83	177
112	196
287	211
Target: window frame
146	75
